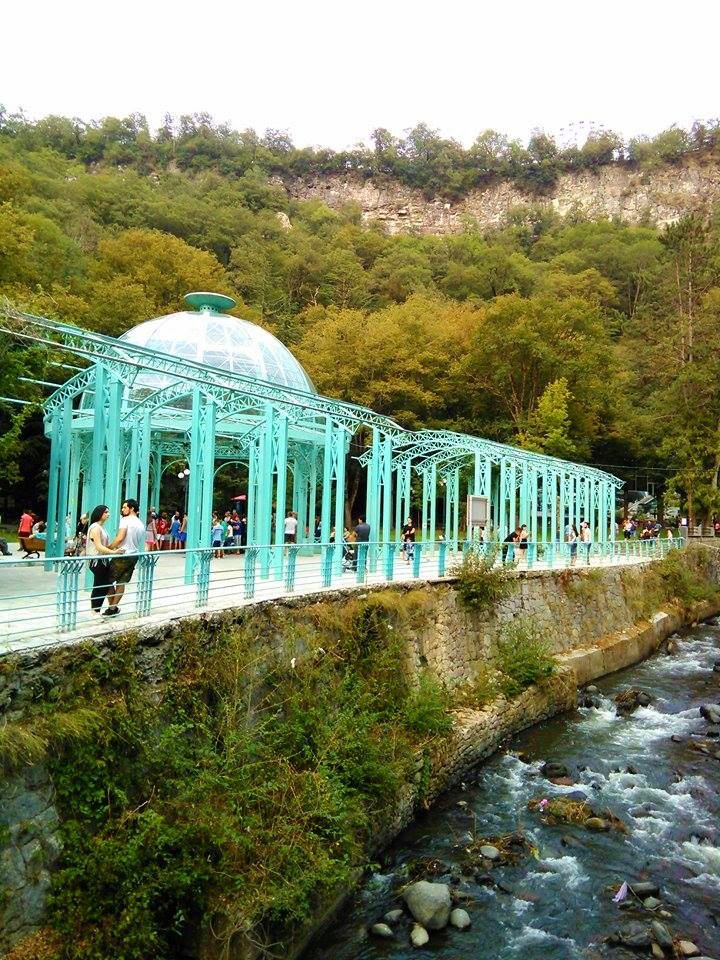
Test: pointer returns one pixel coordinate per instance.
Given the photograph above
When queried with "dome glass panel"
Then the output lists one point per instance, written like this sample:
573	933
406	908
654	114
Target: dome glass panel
219	341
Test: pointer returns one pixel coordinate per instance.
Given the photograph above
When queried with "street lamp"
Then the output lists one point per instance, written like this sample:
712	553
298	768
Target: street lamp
183	475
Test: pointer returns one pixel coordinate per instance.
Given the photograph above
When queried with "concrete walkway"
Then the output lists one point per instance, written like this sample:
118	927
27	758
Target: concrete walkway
28	600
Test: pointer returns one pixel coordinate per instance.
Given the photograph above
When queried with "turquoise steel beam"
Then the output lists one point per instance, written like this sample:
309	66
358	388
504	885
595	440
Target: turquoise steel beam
266	486
387	487
339	455
326	508
200	480
281	450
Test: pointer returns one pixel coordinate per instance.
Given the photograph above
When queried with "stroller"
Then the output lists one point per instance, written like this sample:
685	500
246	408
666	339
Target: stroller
349	557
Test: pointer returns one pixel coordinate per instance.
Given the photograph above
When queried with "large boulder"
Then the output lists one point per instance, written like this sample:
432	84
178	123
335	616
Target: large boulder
429	903
711	712
628	700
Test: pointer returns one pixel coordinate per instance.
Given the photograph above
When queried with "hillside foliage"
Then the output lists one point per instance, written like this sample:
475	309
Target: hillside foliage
584	339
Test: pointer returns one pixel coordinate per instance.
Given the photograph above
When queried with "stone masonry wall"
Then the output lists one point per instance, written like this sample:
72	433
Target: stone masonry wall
592	619
573	608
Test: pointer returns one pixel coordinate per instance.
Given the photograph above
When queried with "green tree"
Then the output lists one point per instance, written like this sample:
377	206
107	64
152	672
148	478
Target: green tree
549	427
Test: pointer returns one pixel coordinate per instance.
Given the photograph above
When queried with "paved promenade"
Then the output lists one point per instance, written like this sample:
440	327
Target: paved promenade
29	592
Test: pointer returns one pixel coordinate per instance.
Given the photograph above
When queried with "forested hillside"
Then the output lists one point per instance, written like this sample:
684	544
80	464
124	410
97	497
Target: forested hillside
587	340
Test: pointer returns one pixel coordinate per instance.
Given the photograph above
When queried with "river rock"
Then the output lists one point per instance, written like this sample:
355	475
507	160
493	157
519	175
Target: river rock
635	934
460	919
393	916
657	951
661	934
676	738
577	795
716	666
489	852
645	888
552	770
652	903
628	700
419	935
597	823
687	949
429	903
382	930
711	712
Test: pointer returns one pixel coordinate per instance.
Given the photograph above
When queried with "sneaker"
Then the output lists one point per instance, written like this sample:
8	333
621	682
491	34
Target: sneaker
111	611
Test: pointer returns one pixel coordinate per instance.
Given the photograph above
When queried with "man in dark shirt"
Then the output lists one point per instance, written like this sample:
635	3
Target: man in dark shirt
362	531
512	537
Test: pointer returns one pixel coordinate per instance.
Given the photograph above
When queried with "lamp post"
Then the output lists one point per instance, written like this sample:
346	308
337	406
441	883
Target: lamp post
183	475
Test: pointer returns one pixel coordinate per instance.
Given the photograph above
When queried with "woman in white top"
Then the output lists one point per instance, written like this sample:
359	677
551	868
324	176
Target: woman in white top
99	551
586	539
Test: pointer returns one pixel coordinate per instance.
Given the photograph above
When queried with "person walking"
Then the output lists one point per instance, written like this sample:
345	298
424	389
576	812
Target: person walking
131	538
586	539
175	531
99	551
362	531
571	538
522	542
162	528
227	528
408	540
290	528
151	539
25	530
236	524
512	537
216	537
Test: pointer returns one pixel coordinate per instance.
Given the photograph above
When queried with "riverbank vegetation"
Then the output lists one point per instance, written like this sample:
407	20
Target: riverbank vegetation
218	809
582	339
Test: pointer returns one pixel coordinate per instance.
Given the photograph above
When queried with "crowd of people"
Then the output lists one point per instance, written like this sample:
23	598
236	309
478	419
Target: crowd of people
113	562
519	538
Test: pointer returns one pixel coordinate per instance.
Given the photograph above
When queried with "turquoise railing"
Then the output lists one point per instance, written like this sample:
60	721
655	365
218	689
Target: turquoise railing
37	603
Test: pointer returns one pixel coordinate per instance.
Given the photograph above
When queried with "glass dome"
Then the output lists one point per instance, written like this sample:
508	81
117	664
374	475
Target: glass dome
208	336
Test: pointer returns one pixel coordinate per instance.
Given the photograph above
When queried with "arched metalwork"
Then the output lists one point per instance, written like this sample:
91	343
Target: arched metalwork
114	423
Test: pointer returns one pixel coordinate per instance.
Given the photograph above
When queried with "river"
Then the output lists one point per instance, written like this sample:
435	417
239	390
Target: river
556	902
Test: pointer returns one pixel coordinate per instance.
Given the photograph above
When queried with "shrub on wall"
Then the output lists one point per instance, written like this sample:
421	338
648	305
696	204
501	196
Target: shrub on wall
523	657
479	582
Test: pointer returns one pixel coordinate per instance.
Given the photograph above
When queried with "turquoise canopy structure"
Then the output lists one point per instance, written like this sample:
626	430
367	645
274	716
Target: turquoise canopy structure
205	388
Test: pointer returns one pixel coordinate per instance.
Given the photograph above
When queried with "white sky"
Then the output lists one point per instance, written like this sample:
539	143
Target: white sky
330	71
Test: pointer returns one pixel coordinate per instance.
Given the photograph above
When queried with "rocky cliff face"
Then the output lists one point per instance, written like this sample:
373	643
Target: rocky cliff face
634	196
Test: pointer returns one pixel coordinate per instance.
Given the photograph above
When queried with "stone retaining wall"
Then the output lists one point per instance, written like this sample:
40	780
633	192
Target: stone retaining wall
592	619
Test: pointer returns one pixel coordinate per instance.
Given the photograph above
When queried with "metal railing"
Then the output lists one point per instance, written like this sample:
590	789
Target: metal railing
41	599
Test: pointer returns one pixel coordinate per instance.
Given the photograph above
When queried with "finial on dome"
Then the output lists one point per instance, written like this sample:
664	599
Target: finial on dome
210	302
